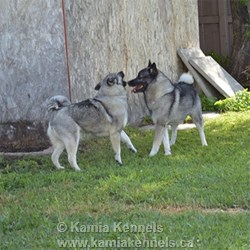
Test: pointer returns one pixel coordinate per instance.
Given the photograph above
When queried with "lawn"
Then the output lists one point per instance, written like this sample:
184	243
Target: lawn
197	198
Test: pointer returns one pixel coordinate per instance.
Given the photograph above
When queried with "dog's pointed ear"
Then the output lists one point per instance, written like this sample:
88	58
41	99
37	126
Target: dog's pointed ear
98	86
149	63
121	74
153	69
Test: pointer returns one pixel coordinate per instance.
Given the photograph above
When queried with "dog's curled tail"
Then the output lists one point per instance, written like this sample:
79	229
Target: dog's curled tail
57	102
187	78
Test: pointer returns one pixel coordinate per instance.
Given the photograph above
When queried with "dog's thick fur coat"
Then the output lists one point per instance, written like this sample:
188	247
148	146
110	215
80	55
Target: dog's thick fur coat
104	115
168	104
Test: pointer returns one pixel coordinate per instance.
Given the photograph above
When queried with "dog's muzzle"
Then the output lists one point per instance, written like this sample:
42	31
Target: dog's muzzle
138	86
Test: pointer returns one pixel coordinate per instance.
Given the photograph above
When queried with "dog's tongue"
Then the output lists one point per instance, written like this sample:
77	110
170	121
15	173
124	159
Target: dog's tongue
136	88
133	90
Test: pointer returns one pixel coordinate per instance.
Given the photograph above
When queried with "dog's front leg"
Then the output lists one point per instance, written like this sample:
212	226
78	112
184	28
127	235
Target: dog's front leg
159	130
166	143
126	139
115	141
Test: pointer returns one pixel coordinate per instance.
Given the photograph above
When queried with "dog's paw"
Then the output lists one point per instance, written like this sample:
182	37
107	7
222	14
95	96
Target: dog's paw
151	154
168	153
60	168
133	150
118	159
119	162
78	170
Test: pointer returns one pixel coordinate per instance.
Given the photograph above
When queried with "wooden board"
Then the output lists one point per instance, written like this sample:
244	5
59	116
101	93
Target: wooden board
216	75
205	86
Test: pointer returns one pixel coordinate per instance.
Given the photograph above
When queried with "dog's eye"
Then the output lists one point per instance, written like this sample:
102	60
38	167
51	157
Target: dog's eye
98	86
111	81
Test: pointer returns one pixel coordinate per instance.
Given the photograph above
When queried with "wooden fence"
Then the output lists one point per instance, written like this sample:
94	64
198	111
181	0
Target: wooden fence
215	26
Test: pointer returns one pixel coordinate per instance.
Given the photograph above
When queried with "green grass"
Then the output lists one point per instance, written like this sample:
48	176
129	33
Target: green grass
198	197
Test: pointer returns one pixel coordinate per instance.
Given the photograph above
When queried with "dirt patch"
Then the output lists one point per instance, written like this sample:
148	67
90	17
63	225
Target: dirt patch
183	209
177	210
23	136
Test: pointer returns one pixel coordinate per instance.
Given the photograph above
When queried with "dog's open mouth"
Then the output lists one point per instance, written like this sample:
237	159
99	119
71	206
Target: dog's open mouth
137	88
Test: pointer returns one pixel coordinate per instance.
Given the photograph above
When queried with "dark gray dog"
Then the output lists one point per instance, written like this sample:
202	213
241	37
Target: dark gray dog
104	115
168	104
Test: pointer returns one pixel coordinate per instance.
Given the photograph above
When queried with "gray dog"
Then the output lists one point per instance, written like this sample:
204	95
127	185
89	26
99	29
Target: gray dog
168	104
104	115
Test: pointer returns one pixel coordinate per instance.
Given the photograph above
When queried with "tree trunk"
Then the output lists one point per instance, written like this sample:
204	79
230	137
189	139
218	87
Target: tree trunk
239	66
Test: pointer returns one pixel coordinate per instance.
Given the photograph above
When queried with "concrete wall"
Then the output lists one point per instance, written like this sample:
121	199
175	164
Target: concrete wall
109	36
32	67
103	36
32	57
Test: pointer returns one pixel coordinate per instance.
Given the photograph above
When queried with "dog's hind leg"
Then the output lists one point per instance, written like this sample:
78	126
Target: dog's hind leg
202	134
71	147
159	131
174	134
199	123
115	141
126	139
166	143
58	149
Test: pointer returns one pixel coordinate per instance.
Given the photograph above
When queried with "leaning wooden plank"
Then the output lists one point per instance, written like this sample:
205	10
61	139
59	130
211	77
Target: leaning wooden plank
216	75
205	86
